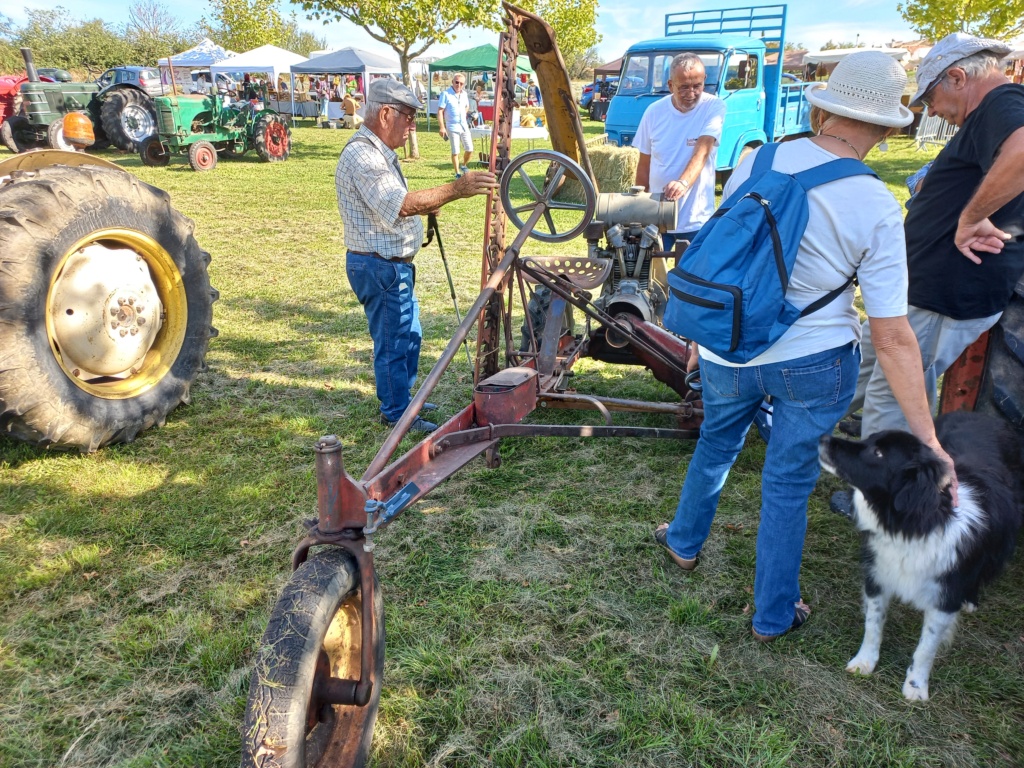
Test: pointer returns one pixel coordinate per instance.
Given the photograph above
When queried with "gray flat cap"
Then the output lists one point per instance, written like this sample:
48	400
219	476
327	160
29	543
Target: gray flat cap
384	90
947	52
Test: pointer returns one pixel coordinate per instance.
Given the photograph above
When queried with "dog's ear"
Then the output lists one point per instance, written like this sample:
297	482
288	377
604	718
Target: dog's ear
919	493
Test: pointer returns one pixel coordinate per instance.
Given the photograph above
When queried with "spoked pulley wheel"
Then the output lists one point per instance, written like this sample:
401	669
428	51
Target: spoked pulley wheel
543	178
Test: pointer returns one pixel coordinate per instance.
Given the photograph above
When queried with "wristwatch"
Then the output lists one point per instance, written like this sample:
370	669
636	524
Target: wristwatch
685	183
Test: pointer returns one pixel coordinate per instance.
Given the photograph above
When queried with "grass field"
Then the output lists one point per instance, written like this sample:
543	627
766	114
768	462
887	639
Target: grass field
531	620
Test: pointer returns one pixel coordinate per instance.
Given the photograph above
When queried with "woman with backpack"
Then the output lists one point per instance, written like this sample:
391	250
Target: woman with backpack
854	227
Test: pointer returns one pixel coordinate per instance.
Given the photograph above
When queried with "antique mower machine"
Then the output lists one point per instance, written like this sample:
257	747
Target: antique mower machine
316	681
202	126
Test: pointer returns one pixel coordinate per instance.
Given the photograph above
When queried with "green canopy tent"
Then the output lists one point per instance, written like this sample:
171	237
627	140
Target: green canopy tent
483	58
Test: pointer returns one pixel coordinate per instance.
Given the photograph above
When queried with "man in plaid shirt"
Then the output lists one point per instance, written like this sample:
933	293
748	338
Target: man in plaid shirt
383	232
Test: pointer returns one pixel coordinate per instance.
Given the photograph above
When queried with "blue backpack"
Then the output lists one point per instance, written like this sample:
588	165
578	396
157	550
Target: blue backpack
728	292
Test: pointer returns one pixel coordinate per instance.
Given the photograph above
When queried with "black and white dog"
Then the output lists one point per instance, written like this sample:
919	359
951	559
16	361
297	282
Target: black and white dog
917	546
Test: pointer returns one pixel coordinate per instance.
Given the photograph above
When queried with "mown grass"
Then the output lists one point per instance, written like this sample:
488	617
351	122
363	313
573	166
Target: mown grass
531	620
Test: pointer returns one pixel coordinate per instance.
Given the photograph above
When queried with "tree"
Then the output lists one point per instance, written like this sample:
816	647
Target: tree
831	46
299	40
573	21
58	40
153	32
242	25
582	63
934	19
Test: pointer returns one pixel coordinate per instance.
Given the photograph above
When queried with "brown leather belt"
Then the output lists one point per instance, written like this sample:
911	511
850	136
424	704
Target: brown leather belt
375	255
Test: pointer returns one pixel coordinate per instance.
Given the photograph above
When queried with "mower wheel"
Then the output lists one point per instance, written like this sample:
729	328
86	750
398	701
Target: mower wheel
55	137
1002	384
314	632
153	153
202	156
105	307
128	118
272	138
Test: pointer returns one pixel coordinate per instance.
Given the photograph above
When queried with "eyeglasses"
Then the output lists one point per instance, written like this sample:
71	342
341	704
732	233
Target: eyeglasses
458	82
690	88
929	95
409	116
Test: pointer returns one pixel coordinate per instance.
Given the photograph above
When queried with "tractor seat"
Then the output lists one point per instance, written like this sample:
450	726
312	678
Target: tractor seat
585	273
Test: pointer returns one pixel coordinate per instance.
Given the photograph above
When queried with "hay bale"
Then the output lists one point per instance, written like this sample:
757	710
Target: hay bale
614	168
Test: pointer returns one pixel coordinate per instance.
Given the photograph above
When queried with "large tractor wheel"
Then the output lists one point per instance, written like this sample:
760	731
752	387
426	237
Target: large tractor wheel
105	307
314	632
202	156
272	138
128	118
1002	385
13	132
153	154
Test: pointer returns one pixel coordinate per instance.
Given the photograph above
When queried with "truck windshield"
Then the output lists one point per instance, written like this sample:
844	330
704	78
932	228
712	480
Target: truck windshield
644	73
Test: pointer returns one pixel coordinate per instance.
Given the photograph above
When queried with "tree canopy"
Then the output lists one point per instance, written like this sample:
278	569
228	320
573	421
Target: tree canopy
934	19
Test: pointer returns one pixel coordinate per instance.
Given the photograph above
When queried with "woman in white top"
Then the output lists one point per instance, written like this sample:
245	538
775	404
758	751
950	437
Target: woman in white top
855	226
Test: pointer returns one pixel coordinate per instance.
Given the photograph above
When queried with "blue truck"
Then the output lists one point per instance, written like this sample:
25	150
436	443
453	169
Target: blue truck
761	104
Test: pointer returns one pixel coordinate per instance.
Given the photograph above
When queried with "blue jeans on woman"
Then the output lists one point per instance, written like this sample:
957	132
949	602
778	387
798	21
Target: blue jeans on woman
809	394
385	289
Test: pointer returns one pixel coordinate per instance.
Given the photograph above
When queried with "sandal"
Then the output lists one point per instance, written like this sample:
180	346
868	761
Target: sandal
661	536
801	612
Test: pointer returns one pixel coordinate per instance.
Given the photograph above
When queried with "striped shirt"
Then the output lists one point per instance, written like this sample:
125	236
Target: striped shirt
371	190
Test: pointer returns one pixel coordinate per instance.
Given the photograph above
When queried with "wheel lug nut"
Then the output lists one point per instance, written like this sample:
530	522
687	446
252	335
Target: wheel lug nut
141	321
123	332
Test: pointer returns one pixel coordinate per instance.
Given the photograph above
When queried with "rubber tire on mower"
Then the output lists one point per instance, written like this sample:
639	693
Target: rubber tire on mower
272	138
321	603
1002	385
113	118
153	154
46	216
202	156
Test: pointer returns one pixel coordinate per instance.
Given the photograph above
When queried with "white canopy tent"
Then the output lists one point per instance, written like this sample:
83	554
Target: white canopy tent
200	56
347	61
267	58
834	56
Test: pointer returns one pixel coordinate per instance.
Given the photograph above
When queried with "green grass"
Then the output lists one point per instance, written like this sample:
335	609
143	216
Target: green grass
531	620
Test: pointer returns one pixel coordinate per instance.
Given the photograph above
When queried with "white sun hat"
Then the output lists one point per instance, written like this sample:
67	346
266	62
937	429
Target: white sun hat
865	86
947	52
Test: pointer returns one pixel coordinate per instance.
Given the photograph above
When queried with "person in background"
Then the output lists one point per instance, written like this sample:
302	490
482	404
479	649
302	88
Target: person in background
854	227
965	226
678	141
452	114
533	97
383	231
349	106
475	117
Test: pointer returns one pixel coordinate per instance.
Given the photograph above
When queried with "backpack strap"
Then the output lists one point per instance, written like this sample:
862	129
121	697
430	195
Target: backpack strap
833	170
763	160
828	298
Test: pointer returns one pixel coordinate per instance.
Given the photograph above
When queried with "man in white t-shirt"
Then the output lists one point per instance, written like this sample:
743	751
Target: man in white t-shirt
452	109
678	141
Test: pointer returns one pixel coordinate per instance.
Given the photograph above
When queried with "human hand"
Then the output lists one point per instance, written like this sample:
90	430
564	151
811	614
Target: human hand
443	133
674	190
982	236
475	183
945	458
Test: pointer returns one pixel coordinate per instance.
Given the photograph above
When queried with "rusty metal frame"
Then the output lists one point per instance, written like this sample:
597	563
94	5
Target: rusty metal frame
349	512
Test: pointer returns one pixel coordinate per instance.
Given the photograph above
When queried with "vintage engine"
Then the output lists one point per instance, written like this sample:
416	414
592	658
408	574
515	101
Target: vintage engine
631	224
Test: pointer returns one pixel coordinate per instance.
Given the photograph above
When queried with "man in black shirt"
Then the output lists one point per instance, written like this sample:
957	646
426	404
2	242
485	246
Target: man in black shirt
965	228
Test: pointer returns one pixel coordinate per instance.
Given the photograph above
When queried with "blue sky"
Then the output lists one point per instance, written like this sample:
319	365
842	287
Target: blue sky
620	22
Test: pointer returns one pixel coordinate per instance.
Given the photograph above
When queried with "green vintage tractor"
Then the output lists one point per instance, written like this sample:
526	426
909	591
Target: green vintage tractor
203	126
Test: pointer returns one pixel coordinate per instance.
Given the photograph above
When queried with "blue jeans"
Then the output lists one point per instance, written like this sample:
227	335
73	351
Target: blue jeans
810	394
385	289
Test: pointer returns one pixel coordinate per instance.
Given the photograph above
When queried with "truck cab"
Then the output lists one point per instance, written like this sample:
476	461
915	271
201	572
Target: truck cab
736	47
